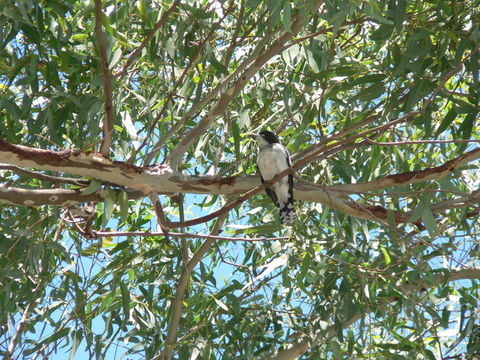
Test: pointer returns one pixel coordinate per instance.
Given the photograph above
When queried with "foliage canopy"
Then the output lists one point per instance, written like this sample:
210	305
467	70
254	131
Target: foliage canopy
378	103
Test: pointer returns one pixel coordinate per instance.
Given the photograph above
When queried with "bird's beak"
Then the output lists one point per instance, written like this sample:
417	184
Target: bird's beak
254	136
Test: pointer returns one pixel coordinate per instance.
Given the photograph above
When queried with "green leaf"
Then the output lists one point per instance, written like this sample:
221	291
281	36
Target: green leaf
109	201
370	93
80	37
430	223
236	139
252	3
312	62
124	206
447	120
221	304
287	16
419	209
386	256
92	187
290	55
77	339
56	335
274	7
399	14
305	265
125	301
170	47
116	56
217	65
244	119
467	126
372	10
32	33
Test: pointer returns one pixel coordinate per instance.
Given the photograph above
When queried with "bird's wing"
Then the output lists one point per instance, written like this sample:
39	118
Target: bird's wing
290	185
290	176
269	191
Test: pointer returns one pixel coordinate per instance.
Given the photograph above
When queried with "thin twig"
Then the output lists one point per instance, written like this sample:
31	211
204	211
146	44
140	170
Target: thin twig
413	142
161	219
327	30
226	261
185	235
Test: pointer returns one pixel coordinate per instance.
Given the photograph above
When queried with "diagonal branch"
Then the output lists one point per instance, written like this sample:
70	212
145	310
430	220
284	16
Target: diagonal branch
176	154
217	90
177	303
108	120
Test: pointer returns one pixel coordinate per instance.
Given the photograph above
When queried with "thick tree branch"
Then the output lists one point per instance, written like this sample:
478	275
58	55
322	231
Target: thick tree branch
163	180
55	197
41	197
109	119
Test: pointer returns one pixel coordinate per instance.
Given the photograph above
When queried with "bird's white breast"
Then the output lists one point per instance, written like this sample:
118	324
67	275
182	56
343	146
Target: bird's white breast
272	160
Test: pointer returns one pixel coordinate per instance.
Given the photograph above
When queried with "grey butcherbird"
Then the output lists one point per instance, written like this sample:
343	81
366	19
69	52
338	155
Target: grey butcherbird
273	158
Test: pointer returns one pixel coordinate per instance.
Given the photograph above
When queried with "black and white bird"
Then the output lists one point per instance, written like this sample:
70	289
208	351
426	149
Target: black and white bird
273	158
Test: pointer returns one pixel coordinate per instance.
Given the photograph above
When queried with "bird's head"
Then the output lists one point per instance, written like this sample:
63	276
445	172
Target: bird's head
264	138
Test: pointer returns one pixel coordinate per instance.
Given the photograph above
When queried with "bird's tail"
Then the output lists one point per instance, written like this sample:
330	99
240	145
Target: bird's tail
287	212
